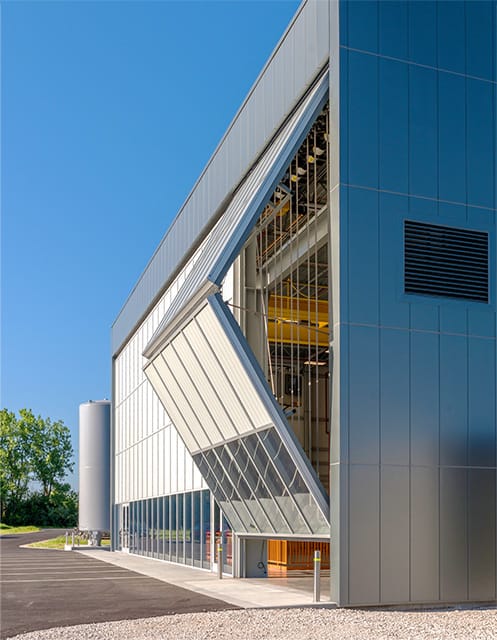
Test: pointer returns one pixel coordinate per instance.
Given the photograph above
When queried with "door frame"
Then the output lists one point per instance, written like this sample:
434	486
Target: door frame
124	535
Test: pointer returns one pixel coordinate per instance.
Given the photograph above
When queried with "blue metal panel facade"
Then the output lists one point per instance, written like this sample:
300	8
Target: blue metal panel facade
280	85
414	457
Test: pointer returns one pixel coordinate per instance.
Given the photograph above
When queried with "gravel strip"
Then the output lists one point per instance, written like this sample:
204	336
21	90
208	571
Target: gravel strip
286	624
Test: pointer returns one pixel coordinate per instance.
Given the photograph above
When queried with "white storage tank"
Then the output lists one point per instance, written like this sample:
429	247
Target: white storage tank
94	468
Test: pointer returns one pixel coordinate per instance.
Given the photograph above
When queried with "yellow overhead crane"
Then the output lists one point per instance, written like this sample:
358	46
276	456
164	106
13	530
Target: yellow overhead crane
302	321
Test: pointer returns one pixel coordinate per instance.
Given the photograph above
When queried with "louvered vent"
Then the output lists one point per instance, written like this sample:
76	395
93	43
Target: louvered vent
445	261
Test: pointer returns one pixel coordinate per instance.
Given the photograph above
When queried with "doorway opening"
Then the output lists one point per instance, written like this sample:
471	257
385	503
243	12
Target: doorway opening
281	296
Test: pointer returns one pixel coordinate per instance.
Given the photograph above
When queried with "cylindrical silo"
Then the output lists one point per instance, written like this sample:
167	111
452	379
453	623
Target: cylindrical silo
94	468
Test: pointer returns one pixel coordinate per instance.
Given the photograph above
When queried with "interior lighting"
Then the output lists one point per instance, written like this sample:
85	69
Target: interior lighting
314	363
301	171
318	151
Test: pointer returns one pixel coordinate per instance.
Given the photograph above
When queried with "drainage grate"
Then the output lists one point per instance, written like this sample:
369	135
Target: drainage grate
445	261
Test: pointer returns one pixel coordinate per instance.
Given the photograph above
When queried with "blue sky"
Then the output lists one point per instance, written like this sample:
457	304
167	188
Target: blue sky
109	112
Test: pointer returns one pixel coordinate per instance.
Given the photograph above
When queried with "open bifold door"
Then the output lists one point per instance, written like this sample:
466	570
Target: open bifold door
201	367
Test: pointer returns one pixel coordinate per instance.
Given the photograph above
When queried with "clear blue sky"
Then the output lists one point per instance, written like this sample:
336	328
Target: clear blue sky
109	111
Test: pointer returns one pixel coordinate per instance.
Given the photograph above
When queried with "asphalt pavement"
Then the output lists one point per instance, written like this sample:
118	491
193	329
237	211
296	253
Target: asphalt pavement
45	588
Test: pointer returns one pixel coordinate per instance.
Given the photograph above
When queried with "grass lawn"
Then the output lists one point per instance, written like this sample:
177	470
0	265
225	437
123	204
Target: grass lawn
5	529
59	542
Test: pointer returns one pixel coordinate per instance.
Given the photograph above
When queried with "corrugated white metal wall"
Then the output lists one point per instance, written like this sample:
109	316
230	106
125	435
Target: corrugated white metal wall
299	56
150	458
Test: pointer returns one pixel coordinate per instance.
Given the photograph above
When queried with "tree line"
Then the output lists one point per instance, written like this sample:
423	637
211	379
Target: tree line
36	455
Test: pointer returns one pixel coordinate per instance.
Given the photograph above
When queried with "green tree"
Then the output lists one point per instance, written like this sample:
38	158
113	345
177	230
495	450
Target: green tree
32	449
51	450
15	459
58	510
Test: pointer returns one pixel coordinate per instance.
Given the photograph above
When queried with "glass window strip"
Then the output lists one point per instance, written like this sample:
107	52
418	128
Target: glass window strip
219	492
263	479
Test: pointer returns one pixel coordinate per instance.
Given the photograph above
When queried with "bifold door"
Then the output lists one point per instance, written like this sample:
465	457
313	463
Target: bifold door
212	387
214	392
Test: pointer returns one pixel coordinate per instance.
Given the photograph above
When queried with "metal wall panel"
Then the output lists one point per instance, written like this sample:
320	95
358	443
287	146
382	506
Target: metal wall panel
160	464
364	535
238	412
453	535
159	384
363	119
227	409
184	416
452	137
450	33
423	137
422	30
481	533
425	535
413	457
364	416
453	320
182	387
453	400
362	27
394	397
395	535
363	281
240	378
393	312
296	61
393	124
392	29
480	27
140	422
481	403
189	350
481	161
425	399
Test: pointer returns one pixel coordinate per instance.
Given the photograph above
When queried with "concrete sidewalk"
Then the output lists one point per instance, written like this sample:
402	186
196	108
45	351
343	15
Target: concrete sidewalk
246	593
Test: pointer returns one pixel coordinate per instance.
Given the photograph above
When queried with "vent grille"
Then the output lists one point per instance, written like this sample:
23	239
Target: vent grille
445	261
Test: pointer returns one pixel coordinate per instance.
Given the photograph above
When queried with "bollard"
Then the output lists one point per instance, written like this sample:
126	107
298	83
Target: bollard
72	538
220	561
67	538
317	576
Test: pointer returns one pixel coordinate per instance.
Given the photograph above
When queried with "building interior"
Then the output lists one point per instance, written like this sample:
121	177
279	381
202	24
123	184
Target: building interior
281	301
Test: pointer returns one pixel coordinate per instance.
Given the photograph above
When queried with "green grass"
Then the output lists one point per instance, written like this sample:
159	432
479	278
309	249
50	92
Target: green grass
59	542
5	529
54	543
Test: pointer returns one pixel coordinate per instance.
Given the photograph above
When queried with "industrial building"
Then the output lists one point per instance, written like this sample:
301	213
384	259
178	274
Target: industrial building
309	359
